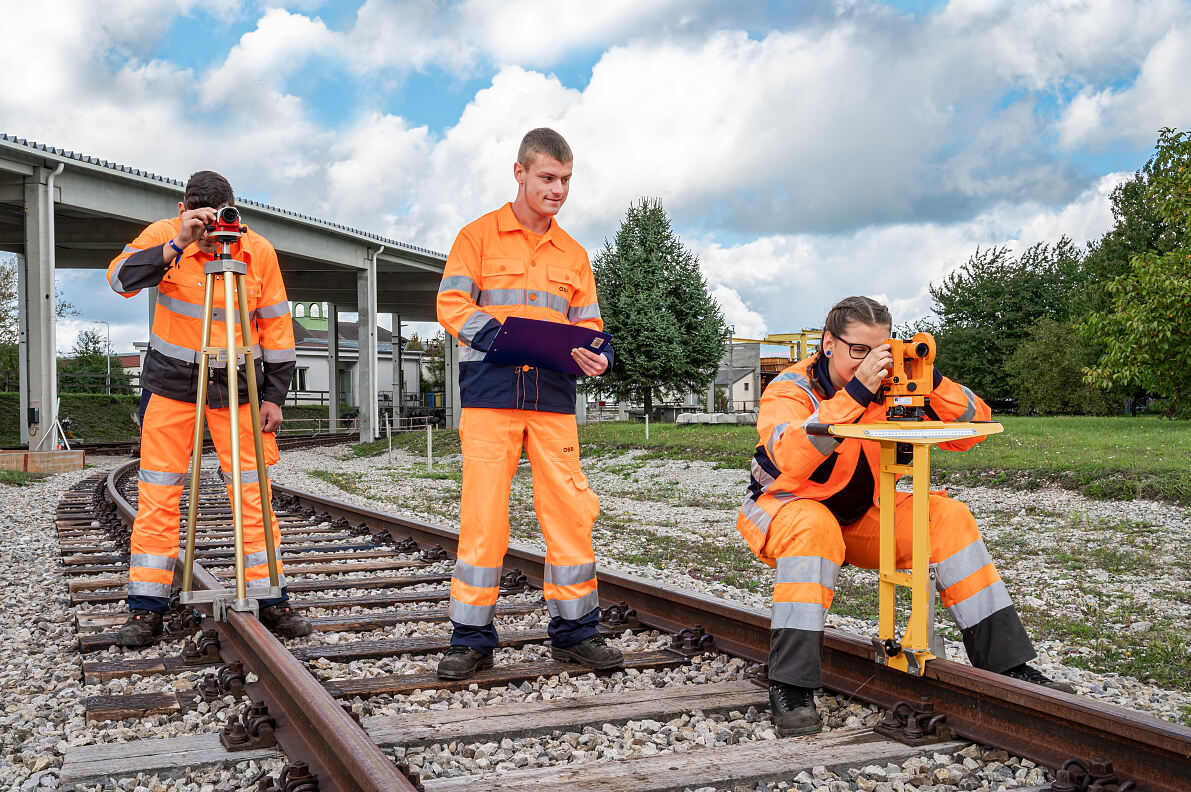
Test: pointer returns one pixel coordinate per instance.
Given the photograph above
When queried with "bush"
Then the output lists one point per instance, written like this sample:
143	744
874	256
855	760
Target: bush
1047	370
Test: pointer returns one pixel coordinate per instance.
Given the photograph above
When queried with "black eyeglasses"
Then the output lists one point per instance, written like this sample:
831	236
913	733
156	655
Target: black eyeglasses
856	351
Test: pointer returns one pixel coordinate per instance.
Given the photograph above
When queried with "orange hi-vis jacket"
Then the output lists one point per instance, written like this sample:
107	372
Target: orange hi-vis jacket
497	269
791	464
171	365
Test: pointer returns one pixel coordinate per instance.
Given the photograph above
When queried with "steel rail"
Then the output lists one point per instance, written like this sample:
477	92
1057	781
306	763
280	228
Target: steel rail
311	725
1026	720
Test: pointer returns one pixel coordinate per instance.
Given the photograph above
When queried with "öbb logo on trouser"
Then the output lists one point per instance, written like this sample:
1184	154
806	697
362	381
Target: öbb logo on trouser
492	441
166	440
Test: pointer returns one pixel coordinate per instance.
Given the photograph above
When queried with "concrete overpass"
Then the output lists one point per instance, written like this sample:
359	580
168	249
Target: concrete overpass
59	209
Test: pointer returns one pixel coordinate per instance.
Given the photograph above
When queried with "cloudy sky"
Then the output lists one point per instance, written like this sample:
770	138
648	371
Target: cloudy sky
805	150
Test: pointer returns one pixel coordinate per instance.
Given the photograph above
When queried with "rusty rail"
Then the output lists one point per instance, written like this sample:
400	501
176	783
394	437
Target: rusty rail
311	725
1026	720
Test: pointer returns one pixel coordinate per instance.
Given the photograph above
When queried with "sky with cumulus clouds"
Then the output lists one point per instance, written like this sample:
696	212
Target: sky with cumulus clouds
805	150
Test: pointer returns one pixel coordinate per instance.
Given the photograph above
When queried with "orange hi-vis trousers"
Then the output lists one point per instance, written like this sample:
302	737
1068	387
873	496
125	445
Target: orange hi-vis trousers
807	546
491	441
167	437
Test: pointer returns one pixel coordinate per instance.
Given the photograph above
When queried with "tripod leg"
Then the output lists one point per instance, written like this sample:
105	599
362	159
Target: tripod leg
254	411
233	394
196	454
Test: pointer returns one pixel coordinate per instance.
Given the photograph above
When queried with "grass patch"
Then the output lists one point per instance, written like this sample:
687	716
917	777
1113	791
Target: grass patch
348	482
19	478
443	443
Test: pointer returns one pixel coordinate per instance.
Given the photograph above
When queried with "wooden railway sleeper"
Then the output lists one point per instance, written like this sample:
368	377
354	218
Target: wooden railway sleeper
253	729
1095	776
202	650
915	724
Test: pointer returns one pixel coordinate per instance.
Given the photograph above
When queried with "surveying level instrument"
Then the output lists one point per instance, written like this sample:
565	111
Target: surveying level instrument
226	231
906	437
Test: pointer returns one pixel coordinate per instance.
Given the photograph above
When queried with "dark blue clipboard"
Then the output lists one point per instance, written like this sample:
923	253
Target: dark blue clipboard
536	342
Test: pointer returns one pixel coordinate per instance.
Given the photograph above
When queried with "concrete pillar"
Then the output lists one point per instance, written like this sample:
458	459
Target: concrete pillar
39	373
451	373
333	363
580	407
369	381
711	397
23	384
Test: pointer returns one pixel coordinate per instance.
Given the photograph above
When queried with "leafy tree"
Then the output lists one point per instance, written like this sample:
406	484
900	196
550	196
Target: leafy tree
667	330
91	356
1047	372
1146	330
10	315
433	377
987	306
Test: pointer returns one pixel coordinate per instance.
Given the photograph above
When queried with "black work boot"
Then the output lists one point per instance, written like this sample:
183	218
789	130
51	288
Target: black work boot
1027	673
793	709
462	662
593	652
140	628
283	622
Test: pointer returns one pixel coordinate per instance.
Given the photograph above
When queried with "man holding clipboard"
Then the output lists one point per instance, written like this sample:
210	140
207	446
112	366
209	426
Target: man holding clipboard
517	264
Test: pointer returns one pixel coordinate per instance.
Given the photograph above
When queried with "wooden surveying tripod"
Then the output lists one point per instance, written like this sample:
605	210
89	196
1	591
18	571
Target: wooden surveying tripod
906	437
226	231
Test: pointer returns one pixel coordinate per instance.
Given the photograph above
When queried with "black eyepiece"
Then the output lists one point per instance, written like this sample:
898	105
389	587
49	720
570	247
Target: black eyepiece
921	350
229	215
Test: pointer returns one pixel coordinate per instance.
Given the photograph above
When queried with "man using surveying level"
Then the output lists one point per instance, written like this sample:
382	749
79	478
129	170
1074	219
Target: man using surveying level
517	262
170	255
814	504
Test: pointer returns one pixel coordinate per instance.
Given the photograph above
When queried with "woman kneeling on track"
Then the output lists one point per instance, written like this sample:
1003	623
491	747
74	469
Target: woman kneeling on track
812	507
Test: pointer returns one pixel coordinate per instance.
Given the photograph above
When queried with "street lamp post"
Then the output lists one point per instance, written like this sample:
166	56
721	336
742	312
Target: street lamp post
107	354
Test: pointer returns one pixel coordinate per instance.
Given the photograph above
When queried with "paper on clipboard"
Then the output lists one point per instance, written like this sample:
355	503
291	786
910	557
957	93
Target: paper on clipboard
536	342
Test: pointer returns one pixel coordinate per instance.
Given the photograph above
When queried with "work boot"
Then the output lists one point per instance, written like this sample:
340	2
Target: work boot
793	709
462	662
1027	673
139	630
283	622
593	652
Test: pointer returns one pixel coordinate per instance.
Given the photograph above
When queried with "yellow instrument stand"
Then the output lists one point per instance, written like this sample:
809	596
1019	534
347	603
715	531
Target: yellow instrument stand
912	652
235	310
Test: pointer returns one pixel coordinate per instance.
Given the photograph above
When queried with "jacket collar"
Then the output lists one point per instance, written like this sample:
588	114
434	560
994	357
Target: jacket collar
507	222
823	376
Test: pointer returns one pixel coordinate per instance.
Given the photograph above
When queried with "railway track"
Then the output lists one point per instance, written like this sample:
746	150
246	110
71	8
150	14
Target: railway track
375	586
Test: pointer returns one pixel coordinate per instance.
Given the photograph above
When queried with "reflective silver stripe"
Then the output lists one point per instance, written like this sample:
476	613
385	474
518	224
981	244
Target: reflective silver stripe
774	436
755	514
959	565
824	444
807	569
260	557
981	605
783	495
800	381
264	582
470	354
970	411
175	351
459	283
249	476
161	477
798	616
149	561
117	286
761	477
571	575
523	297
222	364
184	308
474	324
144	589
474	615
574	608
579	313
274	311
276	355
477	576
130	249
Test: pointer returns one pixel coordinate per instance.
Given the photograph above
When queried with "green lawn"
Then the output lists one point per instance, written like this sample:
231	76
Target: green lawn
1110	458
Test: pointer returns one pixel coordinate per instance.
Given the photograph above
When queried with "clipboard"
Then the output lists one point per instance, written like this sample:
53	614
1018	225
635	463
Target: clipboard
536	342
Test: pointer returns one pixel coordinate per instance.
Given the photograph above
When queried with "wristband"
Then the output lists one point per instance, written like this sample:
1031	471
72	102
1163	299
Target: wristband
176	248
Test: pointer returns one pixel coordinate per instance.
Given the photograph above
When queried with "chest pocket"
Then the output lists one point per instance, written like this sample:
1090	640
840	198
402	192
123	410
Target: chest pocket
501	271
563	280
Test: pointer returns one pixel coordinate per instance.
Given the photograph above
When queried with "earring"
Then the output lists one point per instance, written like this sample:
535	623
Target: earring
827	352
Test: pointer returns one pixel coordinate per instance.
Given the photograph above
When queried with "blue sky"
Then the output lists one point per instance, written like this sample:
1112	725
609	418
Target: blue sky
805	150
